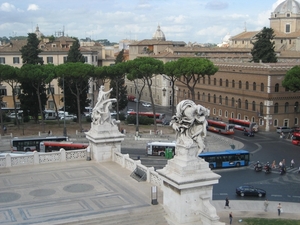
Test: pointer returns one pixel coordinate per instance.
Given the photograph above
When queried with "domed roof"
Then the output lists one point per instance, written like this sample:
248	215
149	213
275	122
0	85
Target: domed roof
292	6
38	32
159	35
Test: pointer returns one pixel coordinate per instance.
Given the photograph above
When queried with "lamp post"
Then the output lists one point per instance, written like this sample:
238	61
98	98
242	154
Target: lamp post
65	128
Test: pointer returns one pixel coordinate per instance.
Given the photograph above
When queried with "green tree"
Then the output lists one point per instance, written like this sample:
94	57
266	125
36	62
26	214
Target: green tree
145	68
191	70
291	80
30	51
74	54
263	47
76	77
10	75
170	70
36	77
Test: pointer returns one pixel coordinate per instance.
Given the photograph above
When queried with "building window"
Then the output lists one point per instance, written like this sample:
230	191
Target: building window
246	104
233	84
50	90
286	107
215	81
220	99
2	60
277	87
221	82
226	114
262	87
296	107
65	59
16	60
226	82
92	58
226	100
253	106
198	95
240	84
296	121
275	123
215	99
3	91
247	85
50	59
50	105
239	103
287	28
276	107
17	90
232	102
254	86
261	109
214	111
86	59
203	97
220	112
208	98
288	15
96	58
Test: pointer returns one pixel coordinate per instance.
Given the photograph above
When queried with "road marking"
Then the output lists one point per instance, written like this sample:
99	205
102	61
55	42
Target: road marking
258	149
223	194
276	196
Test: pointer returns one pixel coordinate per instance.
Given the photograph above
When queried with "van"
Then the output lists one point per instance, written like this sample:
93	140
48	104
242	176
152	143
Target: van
50	114
283	129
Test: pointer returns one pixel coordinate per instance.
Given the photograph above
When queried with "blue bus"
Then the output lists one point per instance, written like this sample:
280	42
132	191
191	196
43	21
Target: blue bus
226	159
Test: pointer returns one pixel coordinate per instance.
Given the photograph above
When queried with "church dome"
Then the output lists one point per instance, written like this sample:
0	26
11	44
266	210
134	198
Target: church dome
38	32
292	6
159	35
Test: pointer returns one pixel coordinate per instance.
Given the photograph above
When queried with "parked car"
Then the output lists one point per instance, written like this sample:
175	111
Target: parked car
250	191
283	129
146	104
248	133
13	116
69	117
129	111
166	122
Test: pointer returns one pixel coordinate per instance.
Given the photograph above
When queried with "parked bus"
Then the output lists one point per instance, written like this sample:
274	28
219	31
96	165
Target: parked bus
159	116
244	125
32	144
296	138
159	148
227	158
220	127
49	146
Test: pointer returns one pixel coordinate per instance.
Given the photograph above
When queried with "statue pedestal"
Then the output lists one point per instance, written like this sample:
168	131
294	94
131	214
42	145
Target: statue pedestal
104	139
187	189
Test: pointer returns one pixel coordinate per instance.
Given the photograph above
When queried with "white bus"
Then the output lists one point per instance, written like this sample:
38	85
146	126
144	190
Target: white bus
159	148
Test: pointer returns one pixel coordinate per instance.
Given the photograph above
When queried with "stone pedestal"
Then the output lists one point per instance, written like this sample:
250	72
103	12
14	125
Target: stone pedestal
187	189
104	139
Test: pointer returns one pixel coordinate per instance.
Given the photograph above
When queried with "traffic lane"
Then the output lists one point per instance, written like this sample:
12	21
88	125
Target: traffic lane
278	187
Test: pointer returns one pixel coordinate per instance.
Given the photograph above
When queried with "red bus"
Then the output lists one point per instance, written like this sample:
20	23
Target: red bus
220	127
244	125
159	116
49	146
296	138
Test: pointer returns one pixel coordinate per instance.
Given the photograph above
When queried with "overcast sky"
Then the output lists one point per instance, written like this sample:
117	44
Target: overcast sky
201	21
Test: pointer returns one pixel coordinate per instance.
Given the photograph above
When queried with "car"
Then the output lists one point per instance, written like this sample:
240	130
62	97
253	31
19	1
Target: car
13	116
129	111
166	122
248	133
68	117
146	104
295	129
250	191
283	129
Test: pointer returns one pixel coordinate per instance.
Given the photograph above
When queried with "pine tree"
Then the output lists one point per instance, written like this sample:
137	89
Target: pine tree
263	47
74	54
30	51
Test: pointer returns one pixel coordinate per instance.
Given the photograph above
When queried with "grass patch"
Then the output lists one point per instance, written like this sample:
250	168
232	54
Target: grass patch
261	221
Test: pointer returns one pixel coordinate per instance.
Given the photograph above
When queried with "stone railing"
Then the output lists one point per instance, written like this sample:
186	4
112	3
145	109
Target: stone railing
125	161
42	158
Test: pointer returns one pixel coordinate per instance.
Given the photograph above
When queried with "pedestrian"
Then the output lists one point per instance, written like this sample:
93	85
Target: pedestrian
279	209
227	203
292	163
274	165
4	129
230	218
280	165
266	204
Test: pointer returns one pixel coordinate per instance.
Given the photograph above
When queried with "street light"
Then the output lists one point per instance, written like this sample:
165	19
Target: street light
65	128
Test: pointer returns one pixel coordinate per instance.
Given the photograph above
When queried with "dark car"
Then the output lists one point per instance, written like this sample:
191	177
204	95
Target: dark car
250	191
248	133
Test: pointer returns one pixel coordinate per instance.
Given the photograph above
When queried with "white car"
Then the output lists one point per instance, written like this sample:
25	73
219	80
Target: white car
146	104
69	117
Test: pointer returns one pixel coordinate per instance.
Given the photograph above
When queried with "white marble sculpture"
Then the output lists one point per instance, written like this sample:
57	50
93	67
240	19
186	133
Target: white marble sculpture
101	111
190	124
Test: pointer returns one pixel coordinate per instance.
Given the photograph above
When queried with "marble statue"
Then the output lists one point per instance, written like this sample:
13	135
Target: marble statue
190	124
101	111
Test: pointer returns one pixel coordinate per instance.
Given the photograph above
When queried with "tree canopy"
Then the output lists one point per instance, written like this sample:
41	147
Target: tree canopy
263	46
74	54
292	79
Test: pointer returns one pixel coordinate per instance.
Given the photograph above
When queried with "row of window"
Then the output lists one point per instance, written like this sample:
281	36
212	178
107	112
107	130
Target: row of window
16	60
17	91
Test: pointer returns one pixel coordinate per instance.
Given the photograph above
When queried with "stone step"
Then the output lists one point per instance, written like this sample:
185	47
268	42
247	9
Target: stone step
152	215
